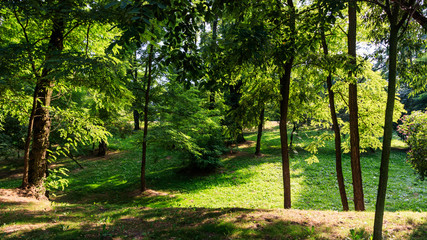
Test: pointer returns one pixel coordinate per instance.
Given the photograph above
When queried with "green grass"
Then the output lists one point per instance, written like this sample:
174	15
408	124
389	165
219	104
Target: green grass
102	196
244	180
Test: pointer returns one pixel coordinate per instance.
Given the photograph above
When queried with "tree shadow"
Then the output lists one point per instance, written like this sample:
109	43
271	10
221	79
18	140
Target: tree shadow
165	223
420	232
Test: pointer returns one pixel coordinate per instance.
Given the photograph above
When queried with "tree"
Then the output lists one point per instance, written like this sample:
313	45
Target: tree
56	53
396	18
359	203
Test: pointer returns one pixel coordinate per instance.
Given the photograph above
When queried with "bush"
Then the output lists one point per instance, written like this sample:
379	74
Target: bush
414	130
186	127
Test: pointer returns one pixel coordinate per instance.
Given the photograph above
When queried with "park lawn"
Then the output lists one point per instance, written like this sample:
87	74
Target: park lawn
242	199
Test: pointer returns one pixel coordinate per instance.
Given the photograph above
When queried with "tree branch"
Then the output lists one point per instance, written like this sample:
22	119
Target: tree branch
30	56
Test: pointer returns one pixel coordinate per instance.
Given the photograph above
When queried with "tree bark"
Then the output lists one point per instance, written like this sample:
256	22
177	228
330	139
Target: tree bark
359	204
337	131
136	120
102	148
25	181
294	129
37	163
259	135
388	125
144	141
285	81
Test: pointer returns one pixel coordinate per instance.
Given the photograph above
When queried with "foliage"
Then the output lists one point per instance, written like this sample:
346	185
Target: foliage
414	128
56	180
11	136
186	127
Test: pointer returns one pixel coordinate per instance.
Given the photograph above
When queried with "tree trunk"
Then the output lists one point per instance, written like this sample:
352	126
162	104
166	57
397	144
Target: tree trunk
136	120
144	141
285	81
258	139
102	148
28	141
41	130
388	125
294	129
337	132
359	204
37	163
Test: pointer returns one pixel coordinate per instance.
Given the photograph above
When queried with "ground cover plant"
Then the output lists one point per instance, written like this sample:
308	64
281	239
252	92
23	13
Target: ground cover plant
240	200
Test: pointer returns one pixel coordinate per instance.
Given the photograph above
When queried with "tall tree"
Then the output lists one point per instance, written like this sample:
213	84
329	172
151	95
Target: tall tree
49	37
356	171
396	19
147	101
337	132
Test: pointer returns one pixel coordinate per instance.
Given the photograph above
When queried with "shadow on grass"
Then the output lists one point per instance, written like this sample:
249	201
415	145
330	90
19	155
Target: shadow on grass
165	223
420	232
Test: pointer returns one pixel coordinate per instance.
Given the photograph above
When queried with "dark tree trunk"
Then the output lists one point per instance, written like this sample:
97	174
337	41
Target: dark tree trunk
285	81
41	130
37	163
144	141
28	141
102	148
337	132
388	125
136	120
240	137
356	171
291	141
258	139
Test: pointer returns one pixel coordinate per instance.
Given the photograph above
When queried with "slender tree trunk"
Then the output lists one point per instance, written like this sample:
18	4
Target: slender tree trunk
388	126
136	120
28	140
144	141
337	132
338	160
37	163
260	125
356	171
285	81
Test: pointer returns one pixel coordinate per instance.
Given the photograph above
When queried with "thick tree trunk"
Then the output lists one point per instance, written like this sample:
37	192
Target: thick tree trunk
259	135
388	127
285	81
356	171
136	120
144	141
37	163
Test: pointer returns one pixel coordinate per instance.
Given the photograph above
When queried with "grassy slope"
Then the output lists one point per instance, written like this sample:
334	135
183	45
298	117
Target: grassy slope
102	199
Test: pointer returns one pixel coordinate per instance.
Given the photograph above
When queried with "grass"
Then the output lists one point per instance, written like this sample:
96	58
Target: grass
240	200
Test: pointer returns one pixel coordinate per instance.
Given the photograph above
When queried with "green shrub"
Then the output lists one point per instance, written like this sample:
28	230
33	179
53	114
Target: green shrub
186	127
414	130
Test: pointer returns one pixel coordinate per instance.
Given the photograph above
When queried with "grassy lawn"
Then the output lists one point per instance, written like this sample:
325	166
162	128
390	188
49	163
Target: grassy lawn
240	200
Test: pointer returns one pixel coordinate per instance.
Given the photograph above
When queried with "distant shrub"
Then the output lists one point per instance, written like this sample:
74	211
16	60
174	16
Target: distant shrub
187	128
414	130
